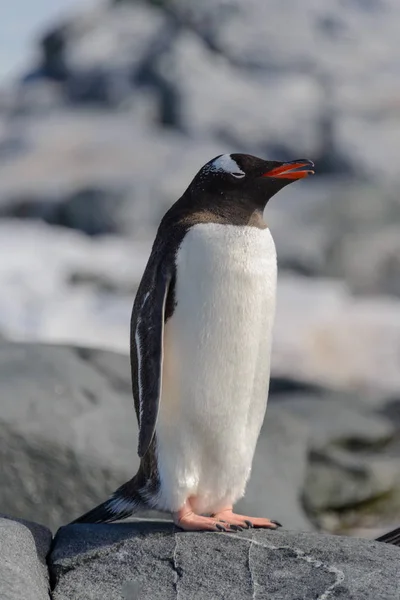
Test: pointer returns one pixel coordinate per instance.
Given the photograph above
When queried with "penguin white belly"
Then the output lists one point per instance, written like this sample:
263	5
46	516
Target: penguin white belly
216	370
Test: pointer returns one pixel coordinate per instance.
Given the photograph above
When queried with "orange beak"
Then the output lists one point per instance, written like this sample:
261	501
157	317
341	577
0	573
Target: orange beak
296	169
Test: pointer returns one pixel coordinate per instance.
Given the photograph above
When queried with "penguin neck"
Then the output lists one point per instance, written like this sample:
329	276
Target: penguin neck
226	208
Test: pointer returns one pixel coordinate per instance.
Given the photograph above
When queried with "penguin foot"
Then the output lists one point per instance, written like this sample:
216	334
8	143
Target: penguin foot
228	516
187	520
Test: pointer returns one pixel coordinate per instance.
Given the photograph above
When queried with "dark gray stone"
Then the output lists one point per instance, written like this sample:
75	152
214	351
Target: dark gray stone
92	210
349	461
73	423
151	560
68	438
279	470
23	568
339	417
67	431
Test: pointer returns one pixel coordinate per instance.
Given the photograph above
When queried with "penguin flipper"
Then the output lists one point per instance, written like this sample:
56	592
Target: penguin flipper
147	341
393	537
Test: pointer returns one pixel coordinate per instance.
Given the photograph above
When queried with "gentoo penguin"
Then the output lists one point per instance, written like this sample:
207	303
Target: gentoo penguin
393	537
201	333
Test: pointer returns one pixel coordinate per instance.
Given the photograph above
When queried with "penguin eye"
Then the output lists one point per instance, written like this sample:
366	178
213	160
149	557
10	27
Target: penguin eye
238	175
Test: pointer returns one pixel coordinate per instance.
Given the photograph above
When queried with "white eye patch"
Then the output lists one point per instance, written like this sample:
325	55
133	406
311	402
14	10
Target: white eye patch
226	164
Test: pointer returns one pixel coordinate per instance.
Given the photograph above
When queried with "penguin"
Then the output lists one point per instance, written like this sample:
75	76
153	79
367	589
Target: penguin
201	333
393	537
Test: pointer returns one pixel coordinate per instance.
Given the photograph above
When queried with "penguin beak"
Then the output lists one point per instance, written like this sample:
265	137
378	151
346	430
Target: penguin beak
296	169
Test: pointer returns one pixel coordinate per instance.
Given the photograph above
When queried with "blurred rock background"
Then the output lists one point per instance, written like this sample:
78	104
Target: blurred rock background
102	126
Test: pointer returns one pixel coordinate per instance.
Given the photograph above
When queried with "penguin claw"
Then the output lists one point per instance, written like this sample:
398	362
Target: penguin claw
249	524
276	523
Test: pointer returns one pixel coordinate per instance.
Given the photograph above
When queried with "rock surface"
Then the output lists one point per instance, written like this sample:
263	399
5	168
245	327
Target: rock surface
67	417
67	432
155	560
23	569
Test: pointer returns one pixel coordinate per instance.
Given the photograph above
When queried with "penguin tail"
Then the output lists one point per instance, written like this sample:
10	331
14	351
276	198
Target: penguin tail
122	504
393	537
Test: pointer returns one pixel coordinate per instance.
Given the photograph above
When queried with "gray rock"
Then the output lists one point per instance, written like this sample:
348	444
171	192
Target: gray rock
23	569
338	480
91	210
345	419
341	228
74	424
279	470
70	438
368	258
350	462
155	560
67	432
120	158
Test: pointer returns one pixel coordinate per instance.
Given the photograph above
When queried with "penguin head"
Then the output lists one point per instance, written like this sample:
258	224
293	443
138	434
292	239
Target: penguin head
249	178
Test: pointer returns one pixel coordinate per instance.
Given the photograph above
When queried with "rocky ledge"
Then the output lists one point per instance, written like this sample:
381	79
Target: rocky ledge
68	434
153	559
23	550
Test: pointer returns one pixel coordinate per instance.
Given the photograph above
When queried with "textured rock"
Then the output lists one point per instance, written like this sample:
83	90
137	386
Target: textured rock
67	417
348	464
279	470
67	432
92	211
338	480
340	227
155	560
23	568
353	475
120	156
74	423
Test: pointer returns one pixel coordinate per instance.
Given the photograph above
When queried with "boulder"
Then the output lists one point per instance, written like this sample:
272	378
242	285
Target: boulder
69	437
349	463
151	560
67	432
92	211
23	569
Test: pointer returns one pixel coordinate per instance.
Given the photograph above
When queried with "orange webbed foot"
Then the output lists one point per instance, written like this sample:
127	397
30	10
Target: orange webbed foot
229	517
